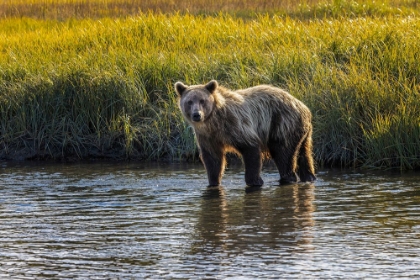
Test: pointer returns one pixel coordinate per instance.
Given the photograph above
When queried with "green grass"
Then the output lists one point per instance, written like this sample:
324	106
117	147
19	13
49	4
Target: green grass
302	9
103	88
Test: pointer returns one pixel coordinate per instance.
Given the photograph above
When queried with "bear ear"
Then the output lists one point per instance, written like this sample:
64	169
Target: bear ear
211	86
180	88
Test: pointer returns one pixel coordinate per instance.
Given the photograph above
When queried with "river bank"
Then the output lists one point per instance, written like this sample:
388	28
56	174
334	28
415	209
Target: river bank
103	88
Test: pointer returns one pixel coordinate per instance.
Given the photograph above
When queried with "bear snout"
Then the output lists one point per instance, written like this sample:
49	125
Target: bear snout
196	116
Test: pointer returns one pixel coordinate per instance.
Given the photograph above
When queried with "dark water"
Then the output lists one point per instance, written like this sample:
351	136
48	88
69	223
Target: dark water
126	221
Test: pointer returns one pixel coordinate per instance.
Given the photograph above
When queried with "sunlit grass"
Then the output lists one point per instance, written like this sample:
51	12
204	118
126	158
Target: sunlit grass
64	9
104	88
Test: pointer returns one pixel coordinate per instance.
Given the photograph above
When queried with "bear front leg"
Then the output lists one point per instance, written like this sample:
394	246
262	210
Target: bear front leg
253	163
215	166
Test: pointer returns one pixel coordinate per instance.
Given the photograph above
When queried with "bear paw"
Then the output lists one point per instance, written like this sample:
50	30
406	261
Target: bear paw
288	179
308	177
255	182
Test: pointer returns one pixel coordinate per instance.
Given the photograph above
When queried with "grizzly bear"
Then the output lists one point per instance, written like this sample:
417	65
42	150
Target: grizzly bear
254	122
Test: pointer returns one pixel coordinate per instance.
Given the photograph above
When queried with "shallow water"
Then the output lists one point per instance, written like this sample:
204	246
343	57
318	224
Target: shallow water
132	221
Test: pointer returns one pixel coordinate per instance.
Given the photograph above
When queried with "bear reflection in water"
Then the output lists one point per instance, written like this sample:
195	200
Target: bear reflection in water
279	221
257	122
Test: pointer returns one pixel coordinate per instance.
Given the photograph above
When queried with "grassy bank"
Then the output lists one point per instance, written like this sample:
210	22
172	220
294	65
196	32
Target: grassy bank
64	9
103	88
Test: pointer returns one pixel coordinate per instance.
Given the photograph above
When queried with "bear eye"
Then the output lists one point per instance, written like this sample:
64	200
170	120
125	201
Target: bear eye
190	102
202	101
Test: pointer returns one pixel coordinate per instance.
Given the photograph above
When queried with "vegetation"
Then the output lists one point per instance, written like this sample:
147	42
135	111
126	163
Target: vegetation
103	87
63	9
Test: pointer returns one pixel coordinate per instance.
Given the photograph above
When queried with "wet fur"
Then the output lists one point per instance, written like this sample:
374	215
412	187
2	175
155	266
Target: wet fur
257	121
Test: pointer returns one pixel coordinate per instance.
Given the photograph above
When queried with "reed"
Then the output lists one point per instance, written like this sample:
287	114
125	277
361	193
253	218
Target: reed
103	88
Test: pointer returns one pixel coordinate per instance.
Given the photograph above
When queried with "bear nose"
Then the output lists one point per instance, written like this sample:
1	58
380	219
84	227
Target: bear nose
196	117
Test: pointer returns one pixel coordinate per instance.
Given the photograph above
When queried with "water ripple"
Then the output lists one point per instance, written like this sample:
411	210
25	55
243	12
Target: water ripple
125	221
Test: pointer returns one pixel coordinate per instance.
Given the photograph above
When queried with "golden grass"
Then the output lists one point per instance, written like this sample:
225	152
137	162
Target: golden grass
63	9
104	87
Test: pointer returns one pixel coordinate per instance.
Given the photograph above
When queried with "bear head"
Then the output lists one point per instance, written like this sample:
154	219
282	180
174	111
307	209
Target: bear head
196	102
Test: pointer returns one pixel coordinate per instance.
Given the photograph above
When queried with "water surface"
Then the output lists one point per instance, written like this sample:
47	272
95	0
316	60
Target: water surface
133	221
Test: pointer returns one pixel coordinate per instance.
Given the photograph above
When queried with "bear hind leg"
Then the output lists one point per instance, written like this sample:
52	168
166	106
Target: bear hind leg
285	160
305	161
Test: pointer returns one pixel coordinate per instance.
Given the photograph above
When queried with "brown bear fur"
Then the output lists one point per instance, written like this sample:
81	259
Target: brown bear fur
257	121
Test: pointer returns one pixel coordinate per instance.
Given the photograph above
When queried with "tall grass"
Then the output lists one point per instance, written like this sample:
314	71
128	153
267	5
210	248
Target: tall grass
103	88
64	9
